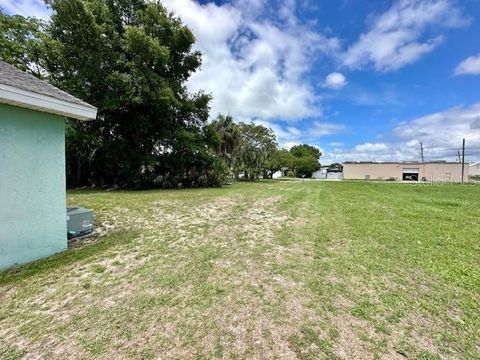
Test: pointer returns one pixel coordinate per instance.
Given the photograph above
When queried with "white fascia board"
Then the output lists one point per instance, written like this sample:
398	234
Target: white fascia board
31	100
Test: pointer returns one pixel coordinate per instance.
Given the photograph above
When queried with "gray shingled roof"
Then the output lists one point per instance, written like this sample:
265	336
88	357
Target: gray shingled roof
9	75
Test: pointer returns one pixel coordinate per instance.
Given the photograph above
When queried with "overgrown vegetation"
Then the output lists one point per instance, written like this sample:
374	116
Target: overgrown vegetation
131	59
306	159
251	151
258	270
22	42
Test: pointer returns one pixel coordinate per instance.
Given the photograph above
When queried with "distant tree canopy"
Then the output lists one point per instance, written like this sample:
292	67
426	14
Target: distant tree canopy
306	159
305	166
246	149
281	159
304	150
250	151
336	166
257	145
22	42
228	138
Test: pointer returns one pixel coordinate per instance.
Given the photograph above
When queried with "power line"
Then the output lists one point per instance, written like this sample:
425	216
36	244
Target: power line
455	149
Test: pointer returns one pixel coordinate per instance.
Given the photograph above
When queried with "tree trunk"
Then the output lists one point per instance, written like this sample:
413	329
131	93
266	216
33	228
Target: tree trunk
79	172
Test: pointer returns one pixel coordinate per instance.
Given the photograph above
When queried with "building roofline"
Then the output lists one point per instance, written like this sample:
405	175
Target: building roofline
402	162
12	95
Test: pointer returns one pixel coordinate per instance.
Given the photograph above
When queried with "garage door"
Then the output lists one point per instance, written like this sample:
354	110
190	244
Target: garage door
410	174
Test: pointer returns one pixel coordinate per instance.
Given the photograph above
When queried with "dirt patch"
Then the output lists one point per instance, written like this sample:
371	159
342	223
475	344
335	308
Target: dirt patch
7	293
226	273
348	344
358	337
254	317
262	310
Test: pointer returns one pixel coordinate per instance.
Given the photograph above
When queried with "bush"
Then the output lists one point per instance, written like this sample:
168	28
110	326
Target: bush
218	174
306	166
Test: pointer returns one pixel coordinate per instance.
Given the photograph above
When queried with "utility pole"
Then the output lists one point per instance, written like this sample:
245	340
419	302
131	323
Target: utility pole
459	156
421	151
463	161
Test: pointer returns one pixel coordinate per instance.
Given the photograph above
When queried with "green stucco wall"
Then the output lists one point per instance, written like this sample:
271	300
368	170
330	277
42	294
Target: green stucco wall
32	185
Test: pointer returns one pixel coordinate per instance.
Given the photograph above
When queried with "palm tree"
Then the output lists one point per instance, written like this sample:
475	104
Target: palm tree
229	134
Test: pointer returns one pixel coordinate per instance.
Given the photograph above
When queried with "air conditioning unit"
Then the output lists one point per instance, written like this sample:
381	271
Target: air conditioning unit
79	222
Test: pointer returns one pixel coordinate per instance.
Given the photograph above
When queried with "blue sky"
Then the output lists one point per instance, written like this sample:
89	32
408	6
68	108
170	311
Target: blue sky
361	79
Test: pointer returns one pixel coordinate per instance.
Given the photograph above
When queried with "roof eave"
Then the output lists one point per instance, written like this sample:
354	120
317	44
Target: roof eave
32	100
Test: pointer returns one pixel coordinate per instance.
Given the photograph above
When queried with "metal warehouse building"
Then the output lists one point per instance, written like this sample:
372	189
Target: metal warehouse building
437	171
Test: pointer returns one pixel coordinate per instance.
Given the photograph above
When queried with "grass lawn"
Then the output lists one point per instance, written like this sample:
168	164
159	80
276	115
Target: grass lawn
276	269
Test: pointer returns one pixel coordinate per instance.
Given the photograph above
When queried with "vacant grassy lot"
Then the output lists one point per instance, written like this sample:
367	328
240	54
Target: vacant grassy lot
267	270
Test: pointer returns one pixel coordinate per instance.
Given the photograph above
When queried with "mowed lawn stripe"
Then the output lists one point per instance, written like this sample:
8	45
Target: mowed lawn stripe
273	269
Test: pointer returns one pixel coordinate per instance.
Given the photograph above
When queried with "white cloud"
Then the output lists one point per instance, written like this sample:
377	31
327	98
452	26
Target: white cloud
255	62
395	151
441	134
371	147
254	67
288	136
335	80
456	124
289	145
469	66
33	8
255	58
400	37
320	128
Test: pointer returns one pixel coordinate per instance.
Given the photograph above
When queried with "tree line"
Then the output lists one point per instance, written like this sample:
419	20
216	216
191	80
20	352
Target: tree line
250	151
131	59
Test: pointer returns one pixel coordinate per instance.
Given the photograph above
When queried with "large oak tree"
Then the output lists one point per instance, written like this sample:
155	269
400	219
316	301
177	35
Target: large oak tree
131	59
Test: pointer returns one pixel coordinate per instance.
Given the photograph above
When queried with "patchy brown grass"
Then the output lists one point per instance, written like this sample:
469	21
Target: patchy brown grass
263	271
253	315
